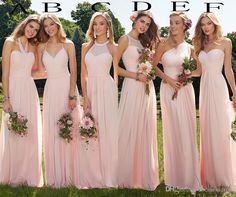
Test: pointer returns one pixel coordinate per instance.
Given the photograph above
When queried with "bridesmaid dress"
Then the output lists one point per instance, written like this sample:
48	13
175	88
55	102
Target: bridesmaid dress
97	165
21	157
181	165
58	153
138	158
217	148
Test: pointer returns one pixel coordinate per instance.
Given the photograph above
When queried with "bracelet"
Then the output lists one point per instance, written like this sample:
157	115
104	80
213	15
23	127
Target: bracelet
233	97
73	97
137	76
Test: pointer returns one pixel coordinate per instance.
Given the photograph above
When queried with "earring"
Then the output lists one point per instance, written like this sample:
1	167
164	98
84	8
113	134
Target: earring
94	35
108	34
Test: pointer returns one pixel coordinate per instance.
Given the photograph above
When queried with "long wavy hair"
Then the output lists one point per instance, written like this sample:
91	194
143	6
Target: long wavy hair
199	37
20	29
61	35
90	31
151	37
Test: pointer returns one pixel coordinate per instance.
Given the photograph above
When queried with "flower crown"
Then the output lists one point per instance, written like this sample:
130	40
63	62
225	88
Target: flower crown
133	16
188	23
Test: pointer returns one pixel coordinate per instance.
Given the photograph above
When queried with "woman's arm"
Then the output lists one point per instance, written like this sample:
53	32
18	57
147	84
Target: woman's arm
84	76
73	74
228	68
114	52
6	52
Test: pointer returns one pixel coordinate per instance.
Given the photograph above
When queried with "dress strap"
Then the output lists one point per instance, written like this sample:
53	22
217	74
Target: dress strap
22	49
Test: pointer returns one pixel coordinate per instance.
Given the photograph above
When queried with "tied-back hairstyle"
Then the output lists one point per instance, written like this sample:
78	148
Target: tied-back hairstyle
151	37
90	31
186	21
199	37
20	29
61	35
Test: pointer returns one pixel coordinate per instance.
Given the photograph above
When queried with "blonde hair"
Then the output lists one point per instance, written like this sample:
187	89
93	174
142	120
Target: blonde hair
20	29
199	37
90	31
61	35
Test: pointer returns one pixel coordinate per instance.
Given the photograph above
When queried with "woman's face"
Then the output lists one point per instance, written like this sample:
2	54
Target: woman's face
50	27
100	26
142	24
208	27
31	29
177	25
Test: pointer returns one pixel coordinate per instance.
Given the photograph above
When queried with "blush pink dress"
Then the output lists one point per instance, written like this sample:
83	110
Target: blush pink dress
181	165
97	165
21	157
217	148
58	153
138	157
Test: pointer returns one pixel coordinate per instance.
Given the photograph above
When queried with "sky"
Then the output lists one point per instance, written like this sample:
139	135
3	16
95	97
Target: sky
161	9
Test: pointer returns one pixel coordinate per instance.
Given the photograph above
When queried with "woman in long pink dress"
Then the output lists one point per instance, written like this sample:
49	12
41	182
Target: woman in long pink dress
60	97
181	165
98	159
217	148
21	157
138	157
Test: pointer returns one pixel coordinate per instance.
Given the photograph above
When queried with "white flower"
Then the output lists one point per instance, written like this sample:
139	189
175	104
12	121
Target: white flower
187	72
69	122
6	116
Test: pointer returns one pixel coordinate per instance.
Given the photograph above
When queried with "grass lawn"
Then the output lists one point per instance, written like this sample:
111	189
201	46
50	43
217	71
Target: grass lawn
24	191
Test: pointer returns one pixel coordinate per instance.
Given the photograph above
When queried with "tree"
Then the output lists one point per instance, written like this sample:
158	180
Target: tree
164	32
78	39
82	15
69	27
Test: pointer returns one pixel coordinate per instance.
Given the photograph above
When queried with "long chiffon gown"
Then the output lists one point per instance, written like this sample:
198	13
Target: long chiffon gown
181	165
138	159
21	157
97	163
58	153
217	148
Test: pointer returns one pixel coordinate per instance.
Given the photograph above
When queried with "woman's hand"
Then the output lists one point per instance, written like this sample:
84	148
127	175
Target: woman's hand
142	78
86	105
72	104
174	84
7	106
234	102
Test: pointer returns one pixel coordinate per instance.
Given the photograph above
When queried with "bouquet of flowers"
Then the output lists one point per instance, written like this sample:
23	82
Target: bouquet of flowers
184	78
17	124
145	67
87	127
65	124
233	127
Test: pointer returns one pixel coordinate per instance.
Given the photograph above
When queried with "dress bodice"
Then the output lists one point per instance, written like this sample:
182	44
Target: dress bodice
56	65
98	60
212	61
173	59
131	55
21	61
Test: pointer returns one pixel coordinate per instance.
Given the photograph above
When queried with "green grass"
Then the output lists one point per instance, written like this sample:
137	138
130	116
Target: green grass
25	191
